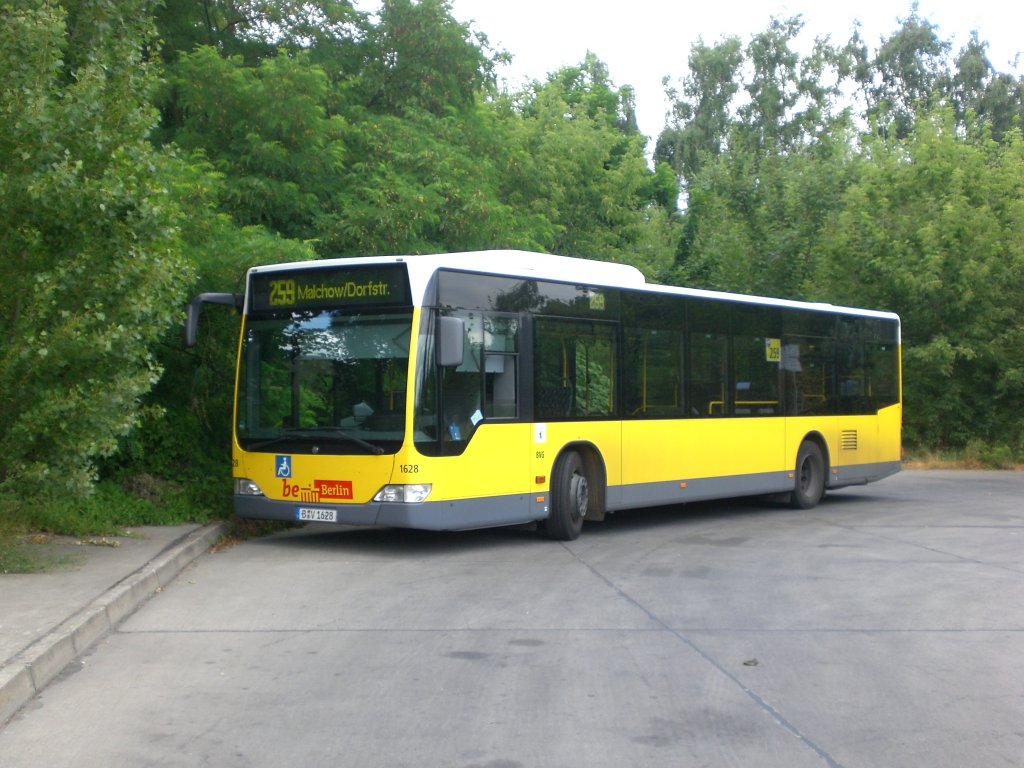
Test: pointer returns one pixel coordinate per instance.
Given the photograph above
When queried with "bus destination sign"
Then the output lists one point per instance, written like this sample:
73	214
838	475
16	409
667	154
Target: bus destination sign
319	288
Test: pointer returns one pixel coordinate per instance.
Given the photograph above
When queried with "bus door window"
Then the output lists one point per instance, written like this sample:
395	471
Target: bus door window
595	372
756	376
462	386
574	369
425	406
653	355
501	358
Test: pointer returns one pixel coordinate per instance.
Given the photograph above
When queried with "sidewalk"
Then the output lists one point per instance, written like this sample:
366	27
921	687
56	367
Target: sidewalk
47	620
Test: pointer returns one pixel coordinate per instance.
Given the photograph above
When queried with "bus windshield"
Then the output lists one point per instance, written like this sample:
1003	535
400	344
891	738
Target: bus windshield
327	381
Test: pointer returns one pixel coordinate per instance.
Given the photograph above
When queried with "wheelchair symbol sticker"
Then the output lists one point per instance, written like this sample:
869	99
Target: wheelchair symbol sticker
282	466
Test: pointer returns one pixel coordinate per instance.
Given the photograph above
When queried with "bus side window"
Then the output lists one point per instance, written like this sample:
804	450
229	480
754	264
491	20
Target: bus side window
807	367
595	373
756	351
709	367
653	374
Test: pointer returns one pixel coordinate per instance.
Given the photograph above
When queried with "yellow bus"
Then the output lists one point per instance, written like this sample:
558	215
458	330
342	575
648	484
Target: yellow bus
460	391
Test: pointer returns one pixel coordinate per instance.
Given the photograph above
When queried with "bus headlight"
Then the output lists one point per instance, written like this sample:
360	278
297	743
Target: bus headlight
403	494
246	487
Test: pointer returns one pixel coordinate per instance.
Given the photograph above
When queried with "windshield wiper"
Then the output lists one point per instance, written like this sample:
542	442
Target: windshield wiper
339	432
313	432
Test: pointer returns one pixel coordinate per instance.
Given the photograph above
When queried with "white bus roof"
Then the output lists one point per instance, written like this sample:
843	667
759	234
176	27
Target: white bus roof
541	266
563	269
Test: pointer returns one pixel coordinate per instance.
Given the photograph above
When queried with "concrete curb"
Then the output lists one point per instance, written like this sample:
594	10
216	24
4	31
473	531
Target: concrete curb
27	673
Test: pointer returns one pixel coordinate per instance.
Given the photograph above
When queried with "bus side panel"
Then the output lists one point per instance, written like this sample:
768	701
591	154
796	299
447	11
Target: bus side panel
669	461
868	447
605	436
798	428
666	450
860	449
890	434
496	462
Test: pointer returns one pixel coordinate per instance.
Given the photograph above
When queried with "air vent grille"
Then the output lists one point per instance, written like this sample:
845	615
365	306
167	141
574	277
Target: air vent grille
848	440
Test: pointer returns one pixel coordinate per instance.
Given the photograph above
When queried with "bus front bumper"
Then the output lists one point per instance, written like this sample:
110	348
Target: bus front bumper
459	515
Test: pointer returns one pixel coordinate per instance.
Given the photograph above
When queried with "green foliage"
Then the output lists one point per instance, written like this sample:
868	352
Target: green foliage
265	130
573	161
701	110
113	506
254	29
419	184
932	222
991	456
755	218
421	59
88	239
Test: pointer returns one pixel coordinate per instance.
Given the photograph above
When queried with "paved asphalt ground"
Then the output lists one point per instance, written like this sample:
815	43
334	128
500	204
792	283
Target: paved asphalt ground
884	628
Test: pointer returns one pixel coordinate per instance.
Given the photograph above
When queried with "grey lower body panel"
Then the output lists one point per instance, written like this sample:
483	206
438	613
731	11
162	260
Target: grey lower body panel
732	486
698	489
464	514
493	511
861	474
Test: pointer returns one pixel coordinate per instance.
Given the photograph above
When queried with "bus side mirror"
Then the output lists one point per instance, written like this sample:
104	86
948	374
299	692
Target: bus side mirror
195	308
451	332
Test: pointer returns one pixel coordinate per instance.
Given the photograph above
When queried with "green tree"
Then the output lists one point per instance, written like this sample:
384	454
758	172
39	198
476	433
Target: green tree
418	57
930	229
572	163
908	71
979	94
420	183
703	110
788	96
267	130
763	160
754	222
88	237
255	29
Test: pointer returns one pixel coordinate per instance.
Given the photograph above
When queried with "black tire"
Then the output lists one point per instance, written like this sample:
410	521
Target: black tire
809	483
570	497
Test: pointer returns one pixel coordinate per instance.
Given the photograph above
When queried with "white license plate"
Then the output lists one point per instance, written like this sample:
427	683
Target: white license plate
316	515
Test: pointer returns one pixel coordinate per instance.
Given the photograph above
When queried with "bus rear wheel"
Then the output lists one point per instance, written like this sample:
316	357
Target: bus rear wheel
810	476
570	497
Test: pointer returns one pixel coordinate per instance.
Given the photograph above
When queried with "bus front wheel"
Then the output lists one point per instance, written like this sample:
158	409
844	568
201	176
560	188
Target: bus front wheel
570	496
810	476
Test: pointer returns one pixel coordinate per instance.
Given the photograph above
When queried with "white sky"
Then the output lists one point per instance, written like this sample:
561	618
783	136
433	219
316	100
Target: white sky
642	41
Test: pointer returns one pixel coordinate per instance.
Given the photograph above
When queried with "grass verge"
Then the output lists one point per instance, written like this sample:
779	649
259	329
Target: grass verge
974	456
115	505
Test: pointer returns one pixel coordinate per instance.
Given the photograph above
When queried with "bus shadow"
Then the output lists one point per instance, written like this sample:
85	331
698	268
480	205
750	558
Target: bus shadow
398	542
681	515
404	542
730	510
